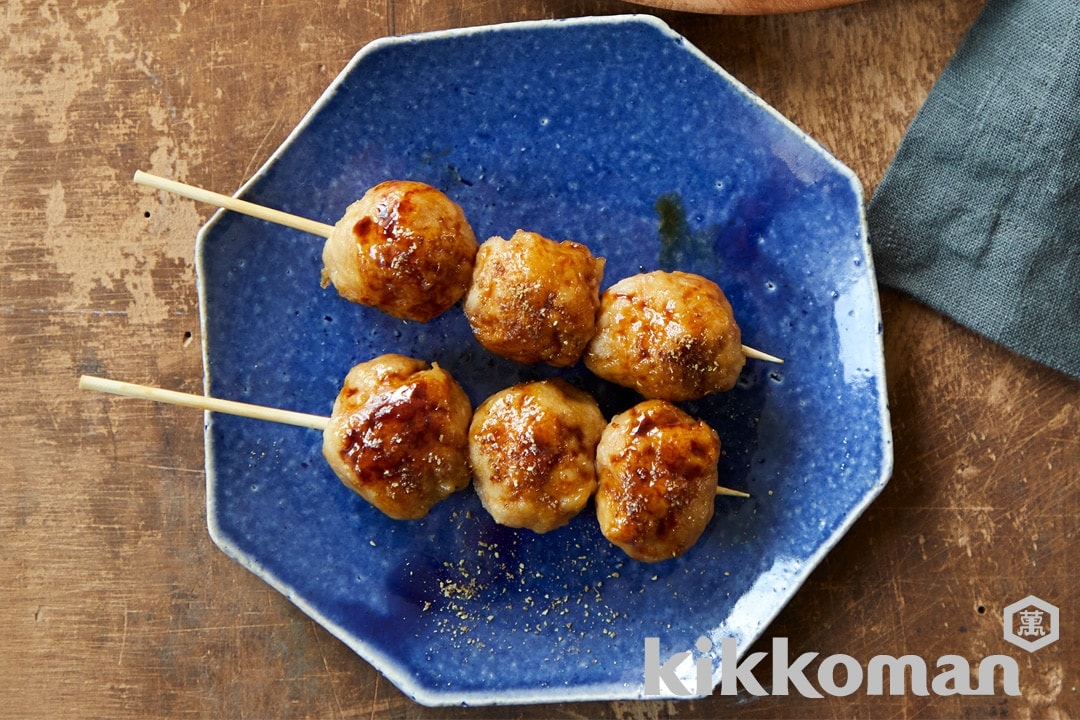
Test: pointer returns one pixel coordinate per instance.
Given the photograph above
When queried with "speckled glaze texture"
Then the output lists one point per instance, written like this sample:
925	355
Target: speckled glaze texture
613	132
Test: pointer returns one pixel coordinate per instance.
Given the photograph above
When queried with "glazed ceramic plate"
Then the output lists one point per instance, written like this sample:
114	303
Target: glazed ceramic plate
617	133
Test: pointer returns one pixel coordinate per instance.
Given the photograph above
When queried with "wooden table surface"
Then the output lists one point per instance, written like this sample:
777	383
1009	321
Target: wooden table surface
115	603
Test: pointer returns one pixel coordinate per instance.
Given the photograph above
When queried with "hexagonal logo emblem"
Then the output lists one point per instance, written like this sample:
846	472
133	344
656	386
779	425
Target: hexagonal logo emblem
1031	623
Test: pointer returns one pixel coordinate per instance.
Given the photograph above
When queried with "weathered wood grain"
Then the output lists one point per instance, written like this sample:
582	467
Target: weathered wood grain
745	7
116	604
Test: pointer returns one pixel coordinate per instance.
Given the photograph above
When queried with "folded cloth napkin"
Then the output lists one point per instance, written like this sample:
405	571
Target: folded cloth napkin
978	216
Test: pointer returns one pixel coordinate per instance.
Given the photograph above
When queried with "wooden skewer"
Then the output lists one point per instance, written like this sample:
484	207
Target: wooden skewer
759	355
202	402
232	407
297	223
231	203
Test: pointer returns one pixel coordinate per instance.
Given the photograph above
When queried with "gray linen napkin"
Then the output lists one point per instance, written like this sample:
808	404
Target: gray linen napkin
978	216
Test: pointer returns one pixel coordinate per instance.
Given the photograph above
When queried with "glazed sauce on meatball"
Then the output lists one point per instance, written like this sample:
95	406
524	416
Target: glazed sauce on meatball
657	479
398	435
534	300
404	248
532	448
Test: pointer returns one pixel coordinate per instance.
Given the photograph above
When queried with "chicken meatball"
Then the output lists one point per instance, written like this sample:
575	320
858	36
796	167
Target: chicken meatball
404	248
398	435
533	299
657	479
668	335
532	449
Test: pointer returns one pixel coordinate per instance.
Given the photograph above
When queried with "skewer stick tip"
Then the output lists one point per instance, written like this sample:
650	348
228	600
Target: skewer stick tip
721	490
759	355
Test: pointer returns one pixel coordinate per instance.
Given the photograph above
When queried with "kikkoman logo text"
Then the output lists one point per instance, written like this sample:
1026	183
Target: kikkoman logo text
1031	623
904	674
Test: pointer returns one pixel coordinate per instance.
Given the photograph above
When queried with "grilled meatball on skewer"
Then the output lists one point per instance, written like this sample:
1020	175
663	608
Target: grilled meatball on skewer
657	480
398	435
533	299
668	335
404	248
423	264
399	432
424	237
532	448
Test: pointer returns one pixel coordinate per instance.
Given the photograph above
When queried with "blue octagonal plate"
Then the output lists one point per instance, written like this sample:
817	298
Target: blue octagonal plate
617	133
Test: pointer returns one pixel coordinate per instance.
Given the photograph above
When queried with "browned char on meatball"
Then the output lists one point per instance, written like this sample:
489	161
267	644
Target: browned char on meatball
532	448
398	435
534	300
404	248
668	335
657	479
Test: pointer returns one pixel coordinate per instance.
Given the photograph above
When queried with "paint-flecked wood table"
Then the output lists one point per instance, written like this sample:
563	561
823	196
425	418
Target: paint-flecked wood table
115	603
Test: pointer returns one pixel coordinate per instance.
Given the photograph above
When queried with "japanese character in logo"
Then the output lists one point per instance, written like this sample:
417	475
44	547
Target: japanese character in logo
1031	623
